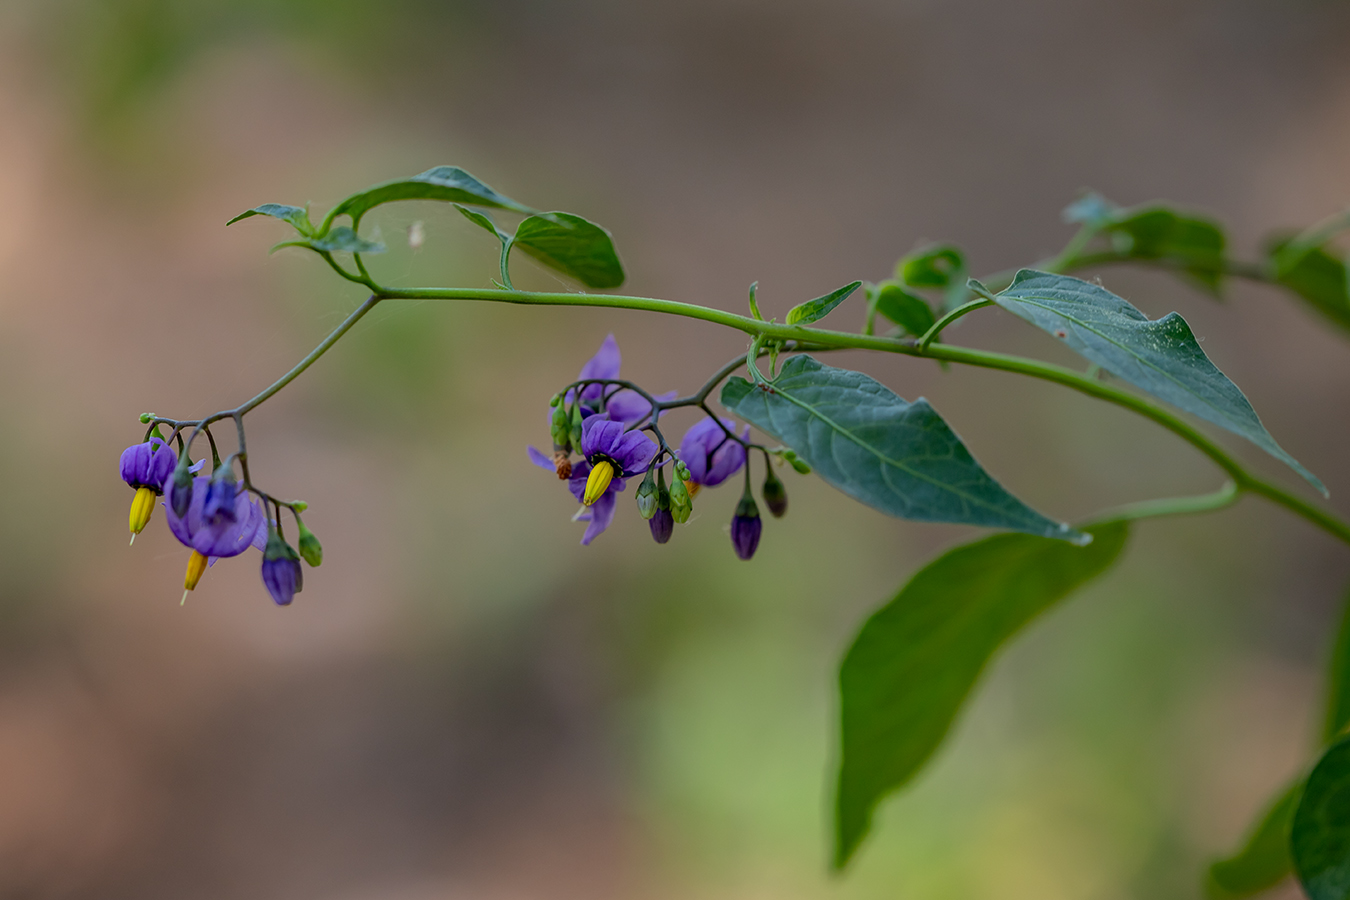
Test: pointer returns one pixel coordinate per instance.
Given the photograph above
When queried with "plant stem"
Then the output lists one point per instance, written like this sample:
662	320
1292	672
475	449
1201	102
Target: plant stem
949	318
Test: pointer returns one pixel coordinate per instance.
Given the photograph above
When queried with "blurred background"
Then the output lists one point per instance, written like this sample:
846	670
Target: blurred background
464	703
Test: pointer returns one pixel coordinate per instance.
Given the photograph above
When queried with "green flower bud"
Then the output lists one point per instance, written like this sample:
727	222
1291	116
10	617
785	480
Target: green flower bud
311	551
801	467
561	430
647	497
681	505
555	400
576	425
775	495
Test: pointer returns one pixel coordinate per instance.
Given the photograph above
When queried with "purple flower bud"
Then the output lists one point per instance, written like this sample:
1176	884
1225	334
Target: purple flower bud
775	495
746	526
281	571
662	525
148	464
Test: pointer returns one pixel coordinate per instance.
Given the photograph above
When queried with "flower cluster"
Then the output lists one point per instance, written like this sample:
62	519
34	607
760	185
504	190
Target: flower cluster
214	517
605	420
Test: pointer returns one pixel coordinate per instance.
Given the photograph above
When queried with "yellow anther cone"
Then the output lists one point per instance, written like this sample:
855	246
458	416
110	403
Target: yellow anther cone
196	566
602	473
142	505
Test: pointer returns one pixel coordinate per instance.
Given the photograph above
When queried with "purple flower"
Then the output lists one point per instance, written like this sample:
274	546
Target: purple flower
222	537
281	571
712	456
746	526
626	406
148	465
611	456
145	467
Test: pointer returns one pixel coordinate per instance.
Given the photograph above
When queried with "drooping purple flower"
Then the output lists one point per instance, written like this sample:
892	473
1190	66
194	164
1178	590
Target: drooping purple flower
746	526
612	455
222	537
148	464
221	493
145	467
604	440
712	456
281	571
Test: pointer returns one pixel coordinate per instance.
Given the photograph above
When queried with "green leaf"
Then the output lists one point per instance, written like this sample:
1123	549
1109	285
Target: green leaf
484	222
917	658
819	308
898	457
296	216
1320	837
1161	357
338	240
1338	680
573	246
911	313
937	267
1156	232
1264	860
1315	275
449	183
1091	209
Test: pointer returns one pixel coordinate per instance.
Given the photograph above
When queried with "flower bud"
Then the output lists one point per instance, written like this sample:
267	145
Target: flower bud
662	523
561	430
775	495
575	434
746	526
180	488
281	571
680	502
311	551
221	491
647	497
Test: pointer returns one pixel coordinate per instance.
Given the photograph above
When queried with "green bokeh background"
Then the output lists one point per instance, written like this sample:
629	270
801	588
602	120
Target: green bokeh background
464	702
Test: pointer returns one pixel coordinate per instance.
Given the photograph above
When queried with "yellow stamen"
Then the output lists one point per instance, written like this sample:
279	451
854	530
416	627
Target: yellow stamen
196	566
142	505
602	473
693	488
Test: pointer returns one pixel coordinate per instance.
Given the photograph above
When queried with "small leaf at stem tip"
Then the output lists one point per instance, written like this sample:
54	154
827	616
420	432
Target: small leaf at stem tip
338	240
1159	356
1320	837
819	308
572	245
295	215
1155	231
915	661
897	457
484	222
1091	209
754	305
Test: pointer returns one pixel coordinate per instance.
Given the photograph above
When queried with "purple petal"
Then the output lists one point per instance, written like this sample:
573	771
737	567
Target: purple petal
634	451
727	461
600	435
541	460
711	456
601	514
147	464
223	539
604	364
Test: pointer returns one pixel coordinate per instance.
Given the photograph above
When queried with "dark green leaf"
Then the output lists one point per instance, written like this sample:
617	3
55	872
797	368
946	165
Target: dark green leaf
911	313
1321	833
449	183
1264	859
572	245
1315	275
1159	233
1162	357
935	267
1338	680
819	308
338	240
296	216
898	457
917	658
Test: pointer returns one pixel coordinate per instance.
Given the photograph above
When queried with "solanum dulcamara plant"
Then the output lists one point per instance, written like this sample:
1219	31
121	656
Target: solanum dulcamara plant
915	661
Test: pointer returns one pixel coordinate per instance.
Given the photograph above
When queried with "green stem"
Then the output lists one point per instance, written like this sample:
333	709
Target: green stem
1173	506
823	338
949	318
